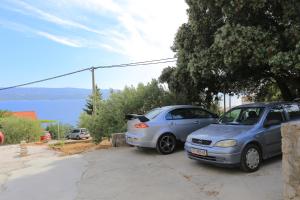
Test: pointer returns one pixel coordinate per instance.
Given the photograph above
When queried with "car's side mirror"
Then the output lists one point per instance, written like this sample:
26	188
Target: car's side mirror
269	123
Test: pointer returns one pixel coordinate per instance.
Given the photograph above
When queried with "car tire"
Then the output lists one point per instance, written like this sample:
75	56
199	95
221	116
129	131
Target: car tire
166	144
77	137
251	158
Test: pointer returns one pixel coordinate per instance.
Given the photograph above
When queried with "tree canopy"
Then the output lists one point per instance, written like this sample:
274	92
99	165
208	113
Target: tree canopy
239	46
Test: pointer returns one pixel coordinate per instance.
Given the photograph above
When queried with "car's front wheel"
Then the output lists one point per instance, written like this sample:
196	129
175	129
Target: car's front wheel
251	158
166	144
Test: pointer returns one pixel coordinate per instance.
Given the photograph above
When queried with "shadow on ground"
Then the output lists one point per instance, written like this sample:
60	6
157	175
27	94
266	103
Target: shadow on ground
221	169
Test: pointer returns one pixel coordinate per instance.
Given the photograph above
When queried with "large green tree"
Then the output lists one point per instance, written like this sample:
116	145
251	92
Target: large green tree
239	46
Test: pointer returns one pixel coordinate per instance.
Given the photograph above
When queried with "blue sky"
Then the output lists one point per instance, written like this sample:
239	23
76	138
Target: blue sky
42	38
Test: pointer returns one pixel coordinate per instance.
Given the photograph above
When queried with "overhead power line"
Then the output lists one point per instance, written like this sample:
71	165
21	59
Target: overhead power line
149	62
142	63
43	80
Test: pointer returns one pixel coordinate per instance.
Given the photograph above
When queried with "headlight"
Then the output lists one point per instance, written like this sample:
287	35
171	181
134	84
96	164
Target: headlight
226	143
189	139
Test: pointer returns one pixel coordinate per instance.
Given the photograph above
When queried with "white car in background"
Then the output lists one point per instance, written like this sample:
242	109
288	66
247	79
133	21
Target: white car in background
79	133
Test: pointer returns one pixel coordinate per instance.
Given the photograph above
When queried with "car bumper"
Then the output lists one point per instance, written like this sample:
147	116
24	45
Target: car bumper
84	136
140	140
215	155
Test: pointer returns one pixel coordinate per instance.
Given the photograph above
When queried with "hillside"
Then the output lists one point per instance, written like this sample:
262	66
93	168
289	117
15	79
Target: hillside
48	93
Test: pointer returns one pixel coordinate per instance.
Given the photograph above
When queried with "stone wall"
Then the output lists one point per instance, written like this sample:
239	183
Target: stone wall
118	140
291	160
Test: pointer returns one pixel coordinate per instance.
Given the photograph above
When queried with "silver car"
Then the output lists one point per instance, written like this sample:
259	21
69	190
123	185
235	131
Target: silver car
79	133
244	136
162	128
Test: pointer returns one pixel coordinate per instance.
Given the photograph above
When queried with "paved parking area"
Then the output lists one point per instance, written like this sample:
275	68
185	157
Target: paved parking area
129	173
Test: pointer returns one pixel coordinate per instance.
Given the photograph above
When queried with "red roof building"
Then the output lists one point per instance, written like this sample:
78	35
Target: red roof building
26	114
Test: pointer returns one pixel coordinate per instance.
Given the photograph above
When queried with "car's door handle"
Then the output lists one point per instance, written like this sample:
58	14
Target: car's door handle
196	122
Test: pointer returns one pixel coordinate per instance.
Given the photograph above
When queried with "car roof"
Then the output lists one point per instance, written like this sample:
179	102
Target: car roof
264	104
178	106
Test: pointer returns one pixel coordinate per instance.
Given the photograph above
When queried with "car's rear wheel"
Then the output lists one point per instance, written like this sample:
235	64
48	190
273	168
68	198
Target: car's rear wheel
166	144
251	158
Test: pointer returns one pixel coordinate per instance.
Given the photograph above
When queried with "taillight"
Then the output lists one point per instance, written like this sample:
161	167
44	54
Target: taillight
141	125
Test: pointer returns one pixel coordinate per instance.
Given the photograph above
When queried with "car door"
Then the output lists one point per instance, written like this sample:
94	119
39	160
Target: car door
272	132
74	133
202	118
181	123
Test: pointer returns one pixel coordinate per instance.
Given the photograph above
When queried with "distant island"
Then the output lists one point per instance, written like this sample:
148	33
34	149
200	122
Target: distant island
40	93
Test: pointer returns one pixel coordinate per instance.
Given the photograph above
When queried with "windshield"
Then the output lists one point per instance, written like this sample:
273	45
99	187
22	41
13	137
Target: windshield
243	116
153	113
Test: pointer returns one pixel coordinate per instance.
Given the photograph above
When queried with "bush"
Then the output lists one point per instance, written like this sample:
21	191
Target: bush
17	129
110	114
93	125
63	130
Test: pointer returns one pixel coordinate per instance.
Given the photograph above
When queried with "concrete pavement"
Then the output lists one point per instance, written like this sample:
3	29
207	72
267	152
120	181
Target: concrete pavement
131	174
41	175
128	173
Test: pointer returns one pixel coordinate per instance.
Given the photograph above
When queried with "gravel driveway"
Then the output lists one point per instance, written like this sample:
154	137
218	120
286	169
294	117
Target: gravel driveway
128	173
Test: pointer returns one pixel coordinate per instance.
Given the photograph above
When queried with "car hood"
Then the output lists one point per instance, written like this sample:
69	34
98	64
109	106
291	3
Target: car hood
221	131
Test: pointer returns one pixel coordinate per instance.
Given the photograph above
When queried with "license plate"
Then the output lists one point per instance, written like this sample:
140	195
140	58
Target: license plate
130	139
200	152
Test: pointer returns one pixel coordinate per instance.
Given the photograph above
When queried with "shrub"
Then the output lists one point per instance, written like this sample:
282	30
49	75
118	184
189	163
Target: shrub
110	114
17	129
63	130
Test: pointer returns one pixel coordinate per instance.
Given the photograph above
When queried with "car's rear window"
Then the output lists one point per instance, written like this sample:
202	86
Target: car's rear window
293	110
153	113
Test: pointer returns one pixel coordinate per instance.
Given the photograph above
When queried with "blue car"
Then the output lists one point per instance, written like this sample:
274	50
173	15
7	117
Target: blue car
244	136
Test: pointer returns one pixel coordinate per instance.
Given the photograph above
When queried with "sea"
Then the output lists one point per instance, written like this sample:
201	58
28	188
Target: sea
65	111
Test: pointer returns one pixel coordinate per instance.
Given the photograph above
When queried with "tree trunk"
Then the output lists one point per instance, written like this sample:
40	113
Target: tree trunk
286	92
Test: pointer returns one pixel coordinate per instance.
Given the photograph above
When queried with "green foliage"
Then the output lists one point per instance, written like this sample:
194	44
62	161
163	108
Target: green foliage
110	115
63	130
18	129
4	113
89	104
237	46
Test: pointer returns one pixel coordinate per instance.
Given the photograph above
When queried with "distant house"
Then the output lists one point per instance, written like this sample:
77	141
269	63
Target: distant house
26	114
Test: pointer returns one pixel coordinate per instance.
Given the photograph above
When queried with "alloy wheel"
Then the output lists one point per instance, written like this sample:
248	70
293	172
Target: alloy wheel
167	144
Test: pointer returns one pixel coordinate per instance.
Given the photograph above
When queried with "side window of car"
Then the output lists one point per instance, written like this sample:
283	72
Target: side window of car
177	114
293	111
200	113
275	116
